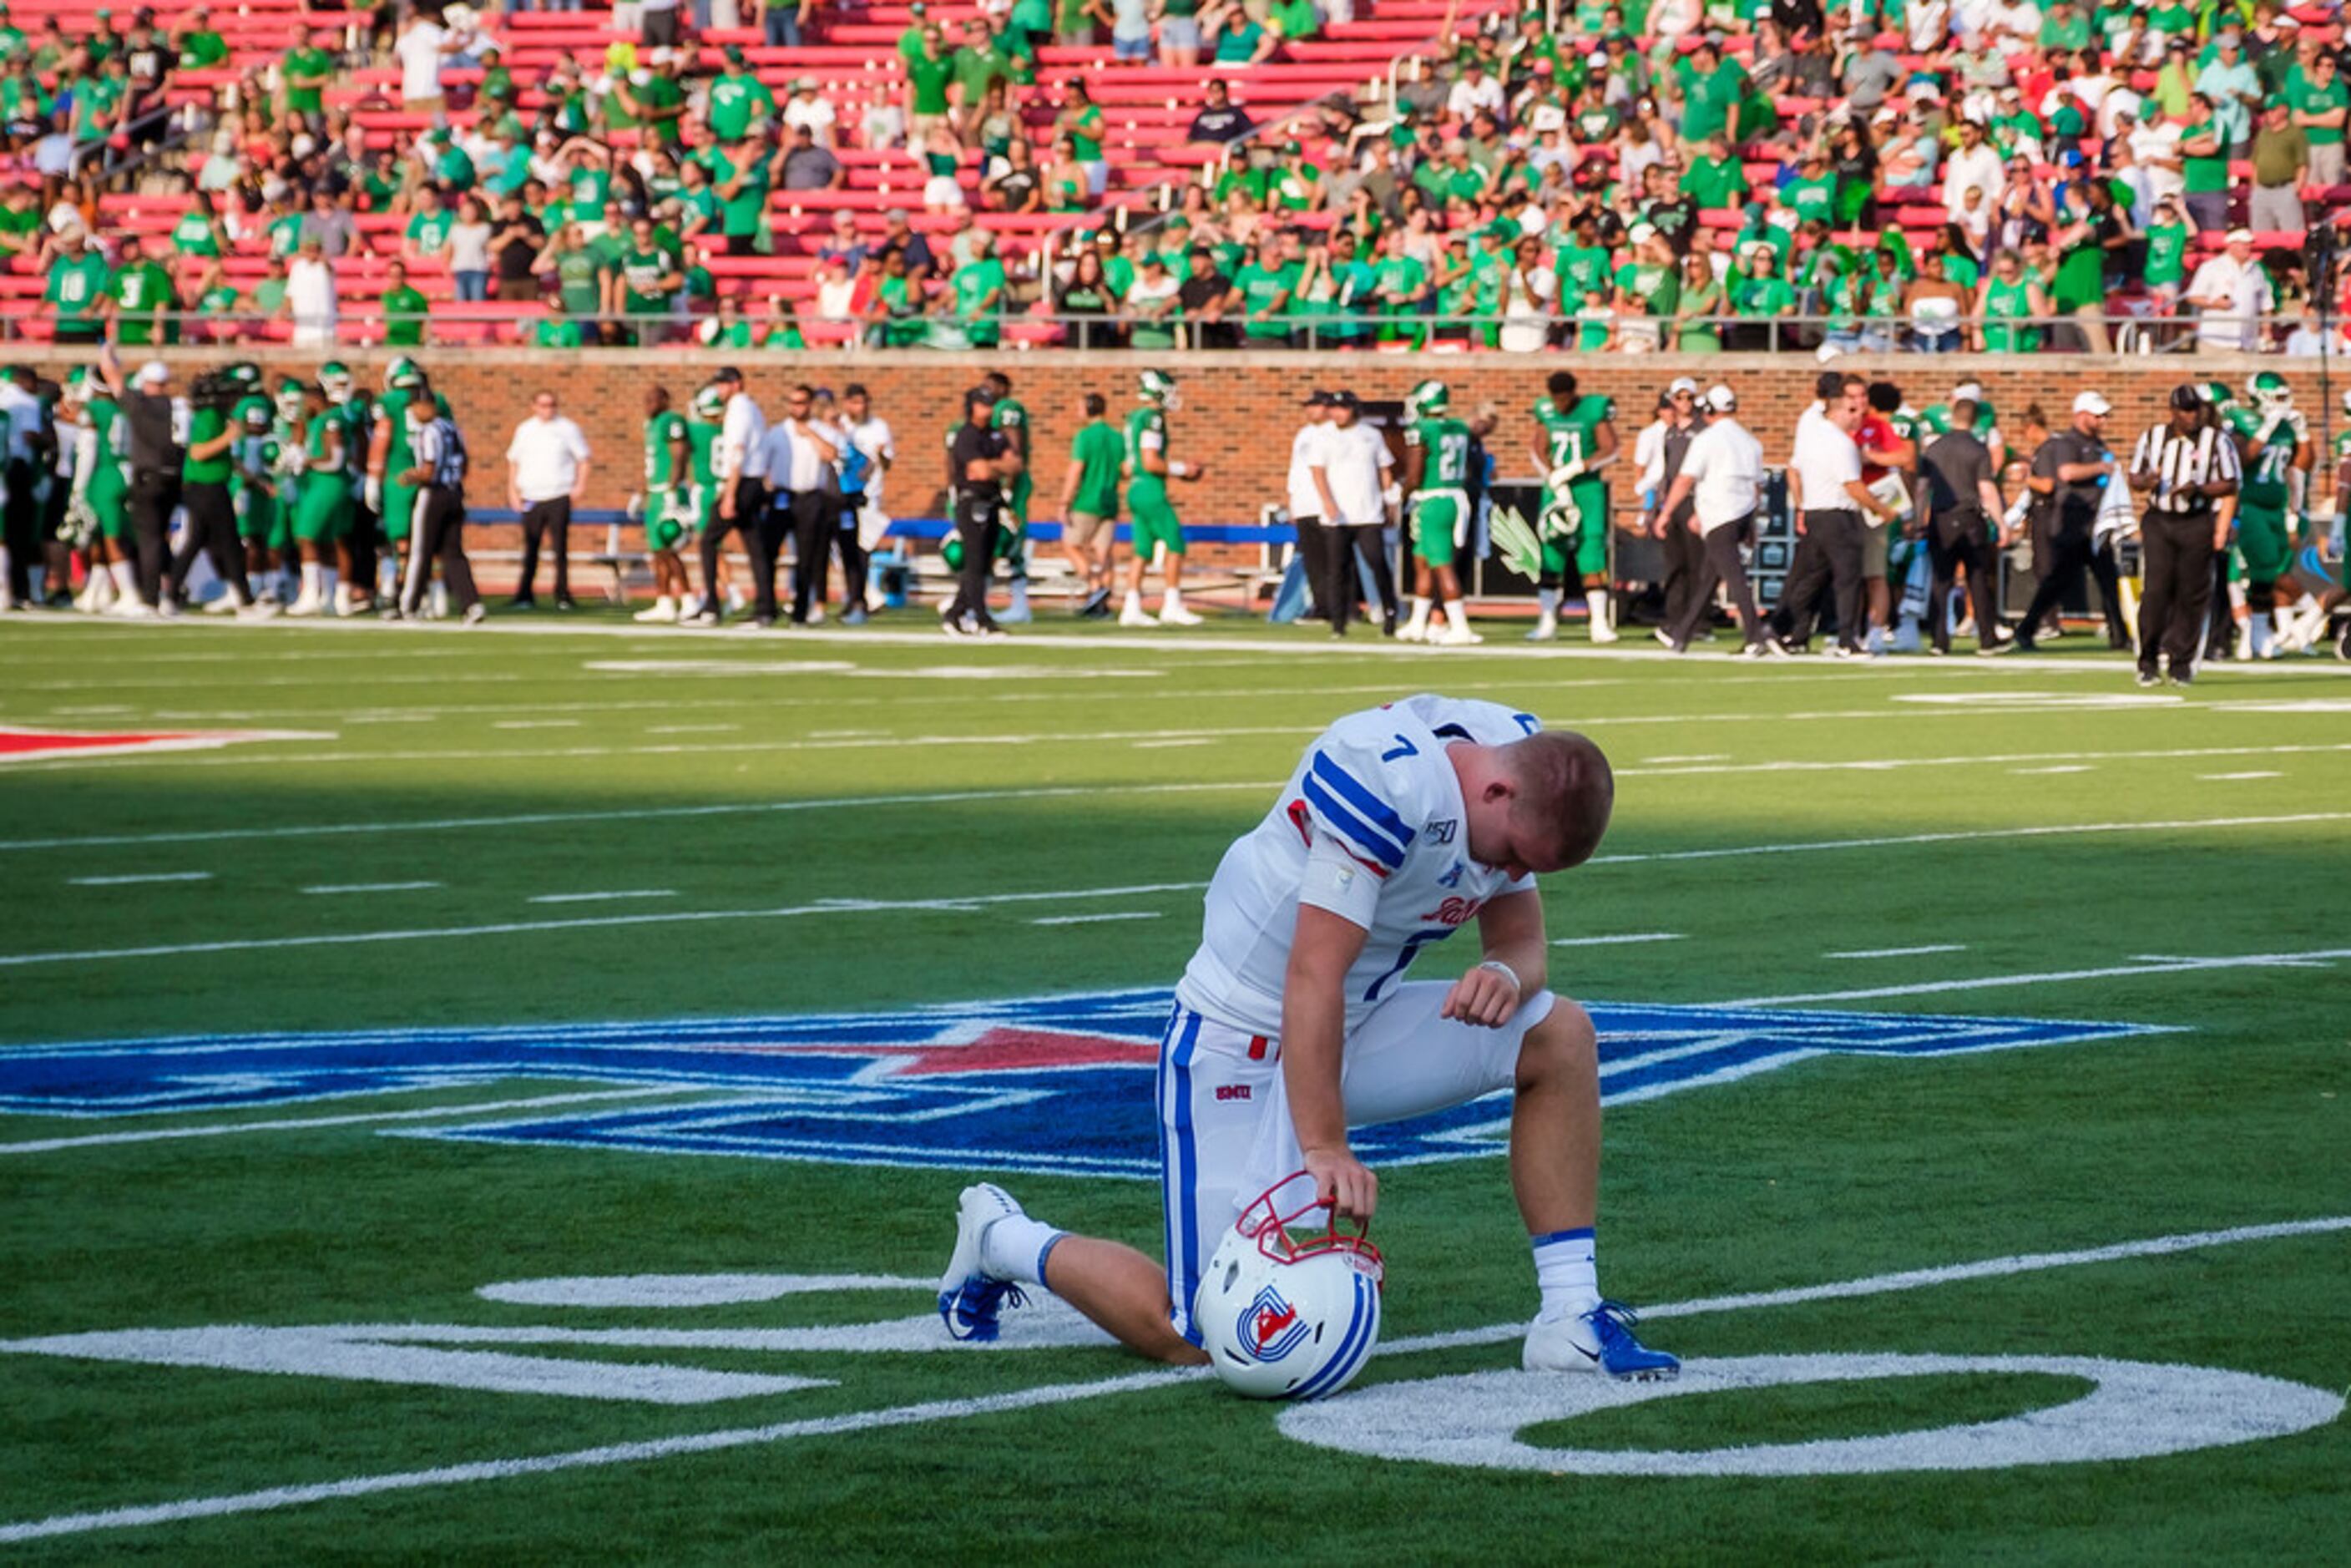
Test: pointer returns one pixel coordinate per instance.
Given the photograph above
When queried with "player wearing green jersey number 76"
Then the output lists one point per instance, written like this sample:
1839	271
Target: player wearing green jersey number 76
1437	477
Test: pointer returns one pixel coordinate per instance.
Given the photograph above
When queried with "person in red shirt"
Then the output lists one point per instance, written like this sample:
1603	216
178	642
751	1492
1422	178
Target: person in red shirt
1888	452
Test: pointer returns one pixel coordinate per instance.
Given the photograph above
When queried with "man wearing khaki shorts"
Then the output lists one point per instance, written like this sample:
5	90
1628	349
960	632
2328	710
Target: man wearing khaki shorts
1090	505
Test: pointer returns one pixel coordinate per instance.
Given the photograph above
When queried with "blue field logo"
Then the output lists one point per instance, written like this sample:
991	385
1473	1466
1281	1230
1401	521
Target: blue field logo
1060	1086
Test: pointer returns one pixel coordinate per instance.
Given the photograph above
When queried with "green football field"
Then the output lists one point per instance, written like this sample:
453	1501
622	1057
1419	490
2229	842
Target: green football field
503	1095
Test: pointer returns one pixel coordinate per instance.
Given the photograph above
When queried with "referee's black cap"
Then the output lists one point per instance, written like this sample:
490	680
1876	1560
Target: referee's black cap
2187	397
983	395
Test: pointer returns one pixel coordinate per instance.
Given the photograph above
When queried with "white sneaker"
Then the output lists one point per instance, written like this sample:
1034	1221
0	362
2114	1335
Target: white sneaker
1456	637
1176	615
260	609
1411	632
969	1296
816	613
1135	614
168	608
304	605
1602	632
1599	1341
224	605
132	610
1546	628
1907	640
663	613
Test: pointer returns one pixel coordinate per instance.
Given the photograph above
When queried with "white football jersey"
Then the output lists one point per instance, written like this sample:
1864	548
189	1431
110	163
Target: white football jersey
1378	784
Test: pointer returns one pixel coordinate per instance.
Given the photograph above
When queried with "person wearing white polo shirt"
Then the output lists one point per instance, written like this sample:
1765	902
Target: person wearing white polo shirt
1352	481
547	468
741	463
2230	294
1306	504
1722	479
1829	498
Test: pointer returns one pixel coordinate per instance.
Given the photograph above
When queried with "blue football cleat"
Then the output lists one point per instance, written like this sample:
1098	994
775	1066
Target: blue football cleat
1601	1341
969	1297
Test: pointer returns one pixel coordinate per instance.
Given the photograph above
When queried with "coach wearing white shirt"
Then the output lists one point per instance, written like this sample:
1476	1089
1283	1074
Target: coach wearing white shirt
1306	503
1352	483
1829	498
1722	476
803	500
740	463
2230	294
547	468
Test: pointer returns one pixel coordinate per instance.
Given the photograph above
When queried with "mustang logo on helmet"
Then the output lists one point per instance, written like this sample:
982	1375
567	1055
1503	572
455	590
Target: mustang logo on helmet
1270	1327
1283	1318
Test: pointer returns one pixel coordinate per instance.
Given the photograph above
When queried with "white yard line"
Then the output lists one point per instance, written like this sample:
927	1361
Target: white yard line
300	1123
130	879
1900	952
603	897
334	887
2061	767
831	906
536	724
1973	835
1096	919
269	1499
622	814
2234	778
1619	940
692	728
2135	967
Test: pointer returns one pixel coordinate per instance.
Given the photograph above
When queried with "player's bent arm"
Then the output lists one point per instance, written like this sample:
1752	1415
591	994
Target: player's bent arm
1313	1036
1510	932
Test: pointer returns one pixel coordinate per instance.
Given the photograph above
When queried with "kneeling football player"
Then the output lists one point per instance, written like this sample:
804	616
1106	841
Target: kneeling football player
1294	1023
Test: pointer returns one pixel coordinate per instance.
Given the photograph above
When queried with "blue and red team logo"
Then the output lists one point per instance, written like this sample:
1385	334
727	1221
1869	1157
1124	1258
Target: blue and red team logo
1270	1327
1059	1085
19	744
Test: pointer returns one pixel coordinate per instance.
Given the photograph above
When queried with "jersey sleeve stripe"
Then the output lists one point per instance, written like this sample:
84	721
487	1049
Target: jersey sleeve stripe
1370	807
1349	826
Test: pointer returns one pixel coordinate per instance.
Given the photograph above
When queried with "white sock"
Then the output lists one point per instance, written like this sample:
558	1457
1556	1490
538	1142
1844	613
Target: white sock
7	565
1567	1273
1015	1248
1134	598
1457	615
125	583
1419	612
1547	602
1595	600
2259	625
310	580
1173	599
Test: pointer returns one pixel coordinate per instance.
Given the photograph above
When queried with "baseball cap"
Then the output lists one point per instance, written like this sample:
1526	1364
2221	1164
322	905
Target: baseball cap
1317	399
2187	397
726	374
1683	384
983	395
1720	398
1638	232
1344	399
2238	237
2091	403
1967	392
153	371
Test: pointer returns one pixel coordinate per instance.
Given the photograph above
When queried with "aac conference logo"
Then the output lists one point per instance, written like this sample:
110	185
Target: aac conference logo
1057	1085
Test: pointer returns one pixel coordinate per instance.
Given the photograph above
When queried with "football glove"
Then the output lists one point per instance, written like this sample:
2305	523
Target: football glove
372	494
1515	544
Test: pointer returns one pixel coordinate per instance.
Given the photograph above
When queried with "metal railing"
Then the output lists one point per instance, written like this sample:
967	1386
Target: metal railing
1334	330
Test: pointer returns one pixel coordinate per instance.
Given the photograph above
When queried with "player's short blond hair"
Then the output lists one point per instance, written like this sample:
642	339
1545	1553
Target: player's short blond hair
1565	784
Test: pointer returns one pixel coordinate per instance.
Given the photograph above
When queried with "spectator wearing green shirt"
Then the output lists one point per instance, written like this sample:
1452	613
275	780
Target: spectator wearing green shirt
1261	294
140	296
269	294
577	269
2319	101
97	102
910	42
930	80
742	177
1812	192
21	229
740	103
303	76
1080	120
1759	297
405	309
1296	21
2204	164
979	293
77	289
973	67
428	227
658	102
1712	89
557	328
1716	180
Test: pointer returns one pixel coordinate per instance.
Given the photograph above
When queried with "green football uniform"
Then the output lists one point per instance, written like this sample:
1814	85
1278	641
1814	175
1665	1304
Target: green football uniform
1441	506
1013	419
1155	522
1576	518
666	511
2263	539
322	499
261	515
702	455
107	489
399	457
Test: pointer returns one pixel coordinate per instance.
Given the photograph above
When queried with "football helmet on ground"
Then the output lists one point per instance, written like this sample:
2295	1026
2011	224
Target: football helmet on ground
1283	1318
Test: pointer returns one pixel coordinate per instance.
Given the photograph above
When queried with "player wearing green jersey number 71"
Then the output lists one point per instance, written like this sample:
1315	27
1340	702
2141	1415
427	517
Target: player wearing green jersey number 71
1437	476
1575	436
1156	528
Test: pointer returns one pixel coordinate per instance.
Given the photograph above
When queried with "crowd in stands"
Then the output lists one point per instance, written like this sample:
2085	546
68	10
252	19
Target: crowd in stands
1690	176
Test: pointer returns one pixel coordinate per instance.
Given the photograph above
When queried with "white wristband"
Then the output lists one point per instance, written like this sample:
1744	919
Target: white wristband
1178	470
1501	968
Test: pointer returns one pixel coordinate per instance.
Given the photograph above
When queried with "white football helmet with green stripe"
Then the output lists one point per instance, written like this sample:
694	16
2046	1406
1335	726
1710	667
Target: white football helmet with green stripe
1158	387
1428	397
2269	391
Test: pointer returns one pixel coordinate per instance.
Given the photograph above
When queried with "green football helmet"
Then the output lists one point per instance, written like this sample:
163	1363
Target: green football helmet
2269	391
403	374
1428	397
2217	393
709	404
290	396
335	380
1156	387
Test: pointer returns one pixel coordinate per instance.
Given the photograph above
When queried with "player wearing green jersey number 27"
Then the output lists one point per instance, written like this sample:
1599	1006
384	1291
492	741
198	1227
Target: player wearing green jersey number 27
1437	477
1156	528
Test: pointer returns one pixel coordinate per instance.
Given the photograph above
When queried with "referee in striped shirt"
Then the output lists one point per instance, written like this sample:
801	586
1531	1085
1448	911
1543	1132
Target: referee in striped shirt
439	479
2188	469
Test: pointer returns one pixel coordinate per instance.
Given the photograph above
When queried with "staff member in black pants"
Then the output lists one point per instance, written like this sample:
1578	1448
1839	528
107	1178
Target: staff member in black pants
1684	551
1824	482
1306	505
547	470
1963	503
2073	469
741	464
980	460
152	451
2188	469
439	480
803	500
1718	486
1350	472
212	514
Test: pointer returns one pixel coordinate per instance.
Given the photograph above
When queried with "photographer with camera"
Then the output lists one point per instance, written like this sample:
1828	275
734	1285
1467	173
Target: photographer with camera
204	487
153	453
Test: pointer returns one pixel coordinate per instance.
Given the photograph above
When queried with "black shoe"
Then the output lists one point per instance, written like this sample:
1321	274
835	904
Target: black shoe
2020	644
476	613
565	601
764	622
2342	648
522	602
2183	677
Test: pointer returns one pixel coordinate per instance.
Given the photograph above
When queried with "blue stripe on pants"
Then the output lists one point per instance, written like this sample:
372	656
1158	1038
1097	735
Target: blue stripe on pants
1184	1258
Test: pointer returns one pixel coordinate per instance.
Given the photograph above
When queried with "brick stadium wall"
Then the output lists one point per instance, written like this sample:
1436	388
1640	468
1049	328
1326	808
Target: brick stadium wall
1239	410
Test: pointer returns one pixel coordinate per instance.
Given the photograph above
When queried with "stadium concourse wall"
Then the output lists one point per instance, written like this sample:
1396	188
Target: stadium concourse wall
1240	409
